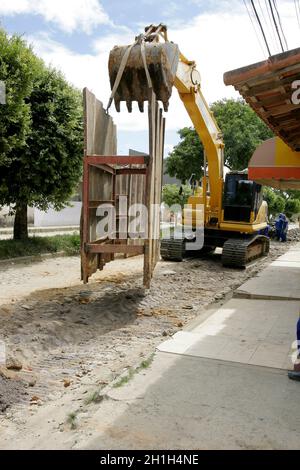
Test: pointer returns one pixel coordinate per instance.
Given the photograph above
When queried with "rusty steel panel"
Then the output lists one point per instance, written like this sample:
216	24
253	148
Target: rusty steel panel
268	88
107	177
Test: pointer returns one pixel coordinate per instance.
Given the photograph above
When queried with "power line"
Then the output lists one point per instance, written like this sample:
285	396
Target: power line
255	30
276	42
276	25
297	11
261	27
280	23
269	28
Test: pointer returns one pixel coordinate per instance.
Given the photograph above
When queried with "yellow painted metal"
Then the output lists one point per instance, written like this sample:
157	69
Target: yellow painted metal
256	223
284	155
206	127
211	137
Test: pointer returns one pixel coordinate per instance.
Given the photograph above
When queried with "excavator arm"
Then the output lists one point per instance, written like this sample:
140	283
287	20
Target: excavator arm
154	61
187	82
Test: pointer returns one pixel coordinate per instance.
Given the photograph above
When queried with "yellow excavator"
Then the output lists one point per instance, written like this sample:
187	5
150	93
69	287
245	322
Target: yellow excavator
234	214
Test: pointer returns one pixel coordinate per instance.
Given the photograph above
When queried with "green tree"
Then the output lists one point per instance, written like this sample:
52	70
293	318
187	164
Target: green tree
45	168
18	68
276	201
187	157
172	195
242	130
292	207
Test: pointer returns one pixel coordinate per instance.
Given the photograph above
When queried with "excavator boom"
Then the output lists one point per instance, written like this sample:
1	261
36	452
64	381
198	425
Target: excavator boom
152	62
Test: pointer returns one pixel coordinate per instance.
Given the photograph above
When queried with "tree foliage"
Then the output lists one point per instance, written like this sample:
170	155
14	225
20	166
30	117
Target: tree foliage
18	67
292	207
172	195
242	131
276	202
187	157
279	201
41	142
46	169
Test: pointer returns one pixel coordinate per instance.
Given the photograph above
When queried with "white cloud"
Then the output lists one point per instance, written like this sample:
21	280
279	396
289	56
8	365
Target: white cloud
89	70
218	42
68	15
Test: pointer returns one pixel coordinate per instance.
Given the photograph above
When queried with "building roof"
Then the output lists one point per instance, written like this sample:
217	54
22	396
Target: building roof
268	88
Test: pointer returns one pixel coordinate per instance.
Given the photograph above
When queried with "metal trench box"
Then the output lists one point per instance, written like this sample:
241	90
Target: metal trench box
117	182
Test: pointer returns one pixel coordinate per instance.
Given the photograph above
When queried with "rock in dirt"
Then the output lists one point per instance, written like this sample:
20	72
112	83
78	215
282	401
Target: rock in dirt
7	374
32	382
12	363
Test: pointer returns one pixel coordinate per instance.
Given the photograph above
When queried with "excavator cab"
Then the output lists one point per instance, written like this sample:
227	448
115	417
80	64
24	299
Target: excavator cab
148	63
242	198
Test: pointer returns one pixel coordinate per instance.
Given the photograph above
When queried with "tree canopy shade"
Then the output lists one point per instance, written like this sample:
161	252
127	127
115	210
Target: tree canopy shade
42	165
242	130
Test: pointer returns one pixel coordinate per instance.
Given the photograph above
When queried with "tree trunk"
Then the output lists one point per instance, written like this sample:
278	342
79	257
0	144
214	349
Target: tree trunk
21	225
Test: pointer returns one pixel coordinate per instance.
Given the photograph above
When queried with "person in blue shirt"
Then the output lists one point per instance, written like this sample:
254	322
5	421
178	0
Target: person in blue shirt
295	374
281	226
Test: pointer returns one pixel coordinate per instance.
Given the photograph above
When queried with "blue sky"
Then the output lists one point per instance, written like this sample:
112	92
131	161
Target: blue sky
76	36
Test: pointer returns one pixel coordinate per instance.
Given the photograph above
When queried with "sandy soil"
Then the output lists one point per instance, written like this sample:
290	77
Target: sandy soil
72	340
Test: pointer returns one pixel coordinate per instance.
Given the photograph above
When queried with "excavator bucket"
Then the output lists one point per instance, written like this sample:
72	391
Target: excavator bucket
161	61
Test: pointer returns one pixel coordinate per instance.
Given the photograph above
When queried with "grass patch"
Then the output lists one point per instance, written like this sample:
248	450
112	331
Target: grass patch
72	420
131	373
95	397
35	246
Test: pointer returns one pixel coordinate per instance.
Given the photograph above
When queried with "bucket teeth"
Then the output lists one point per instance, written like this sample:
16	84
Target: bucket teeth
117	105
161	61
166	106
141	106
129	106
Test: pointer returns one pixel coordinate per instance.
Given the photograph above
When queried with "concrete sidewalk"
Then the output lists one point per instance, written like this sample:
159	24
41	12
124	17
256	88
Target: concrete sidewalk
221	384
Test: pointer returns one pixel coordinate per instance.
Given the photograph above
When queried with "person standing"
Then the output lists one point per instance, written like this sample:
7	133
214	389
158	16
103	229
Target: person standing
295	374
281	226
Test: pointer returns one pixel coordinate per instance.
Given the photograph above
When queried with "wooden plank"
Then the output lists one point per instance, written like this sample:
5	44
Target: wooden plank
105	168
131	171
96	204
99	139
117	248
116	160
150	190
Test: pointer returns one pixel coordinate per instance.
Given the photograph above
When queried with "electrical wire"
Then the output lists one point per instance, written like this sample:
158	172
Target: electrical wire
255	30
297	11
261	27
275	38
276	25
270	32
280	24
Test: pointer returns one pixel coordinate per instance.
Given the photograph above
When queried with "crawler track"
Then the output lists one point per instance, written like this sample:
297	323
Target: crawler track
238	252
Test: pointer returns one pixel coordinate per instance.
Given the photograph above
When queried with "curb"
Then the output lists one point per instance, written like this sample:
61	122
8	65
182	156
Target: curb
34	258
33	230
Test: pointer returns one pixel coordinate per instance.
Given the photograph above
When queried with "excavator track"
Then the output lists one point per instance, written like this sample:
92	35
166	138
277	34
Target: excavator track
238	252
172	249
